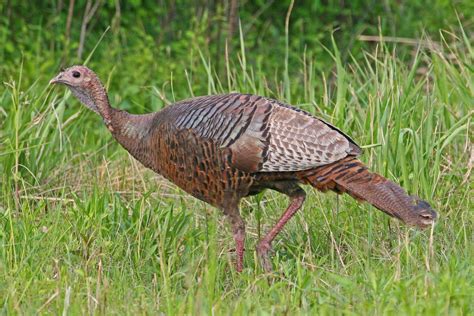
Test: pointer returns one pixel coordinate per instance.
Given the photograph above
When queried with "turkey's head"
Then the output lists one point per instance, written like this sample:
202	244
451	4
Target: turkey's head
85	86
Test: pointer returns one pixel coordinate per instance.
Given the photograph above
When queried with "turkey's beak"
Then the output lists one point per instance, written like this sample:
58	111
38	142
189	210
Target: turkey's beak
56	79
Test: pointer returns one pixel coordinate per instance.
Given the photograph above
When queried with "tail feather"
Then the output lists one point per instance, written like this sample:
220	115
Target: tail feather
351	176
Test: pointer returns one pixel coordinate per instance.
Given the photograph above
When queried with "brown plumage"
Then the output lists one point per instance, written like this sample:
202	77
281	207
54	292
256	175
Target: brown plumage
222	148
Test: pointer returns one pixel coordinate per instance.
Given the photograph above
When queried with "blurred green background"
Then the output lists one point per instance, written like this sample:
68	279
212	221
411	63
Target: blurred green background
158	38
85	229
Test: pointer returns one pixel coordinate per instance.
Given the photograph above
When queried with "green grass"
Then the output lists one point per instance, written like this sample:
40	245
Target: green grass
85	229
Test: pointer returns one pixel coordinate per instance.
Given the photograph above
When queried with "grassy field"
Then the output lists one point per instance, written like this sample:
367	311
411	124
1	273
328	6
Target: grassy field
85	229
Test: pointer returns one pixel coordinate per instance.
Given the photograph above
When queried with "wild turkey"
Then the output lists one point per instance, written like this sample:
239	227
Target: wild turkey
222	148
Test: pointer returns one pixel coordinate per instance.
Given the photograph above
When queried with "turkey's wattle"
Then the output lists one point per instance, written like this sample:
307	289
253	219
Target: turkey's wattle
222	148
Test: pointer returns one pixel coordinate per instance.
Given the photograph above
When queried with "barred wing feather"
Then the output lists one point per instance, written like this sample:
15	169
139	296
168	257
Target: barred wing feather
264	135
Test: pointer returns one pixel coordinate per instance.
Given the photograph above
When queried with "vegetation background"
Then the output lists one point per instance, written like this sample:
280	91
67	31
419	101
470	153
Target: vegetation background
85	229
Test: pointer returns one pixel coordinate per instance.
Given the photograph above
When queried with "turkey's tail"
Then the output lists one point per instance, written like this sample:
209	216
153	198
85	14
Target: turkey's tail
351	176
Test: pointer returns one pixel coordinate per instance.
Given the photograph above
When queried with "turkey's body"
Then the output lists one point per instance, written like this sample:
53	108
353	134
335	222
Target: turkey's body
195	144
225	147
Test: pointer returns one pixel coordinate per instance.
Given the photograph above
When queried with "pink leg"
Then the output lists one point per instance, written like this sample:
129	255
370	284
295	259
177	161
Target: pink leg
238	227
239	241
264	245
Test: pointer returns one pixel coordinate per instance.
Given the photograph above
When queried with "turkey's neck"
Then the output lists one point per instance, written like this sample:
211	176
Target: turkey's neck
103	105
132	132
128	129
94	96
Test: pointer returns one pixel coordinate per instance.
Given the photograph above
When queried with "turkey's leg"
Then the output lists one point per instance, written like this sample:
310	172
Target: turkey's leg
297	197
238	227
238	231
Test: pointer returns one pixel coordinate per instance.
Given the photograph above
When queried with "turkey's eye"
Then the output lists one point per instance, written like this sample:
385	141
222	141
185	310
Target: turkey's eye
76	74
